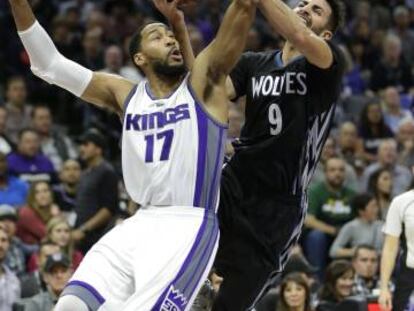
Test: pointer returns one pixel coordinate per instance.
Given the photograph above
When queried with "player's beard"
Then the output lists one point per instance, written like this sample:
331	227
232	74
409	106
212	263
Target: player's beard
164	69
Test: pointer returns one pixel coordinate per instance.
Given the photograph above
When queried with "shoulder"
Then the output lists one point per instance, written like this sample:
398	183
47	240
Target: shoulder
13	156
26	213
404	199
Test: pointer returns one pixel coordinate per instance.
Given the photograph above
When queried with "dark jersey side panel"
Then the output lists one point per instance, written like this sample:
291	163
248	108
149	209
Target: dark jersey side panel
286	106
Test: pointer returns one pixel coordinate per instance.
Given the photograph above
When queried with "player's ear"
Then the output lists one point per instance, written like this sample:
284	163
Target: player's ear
327	35
139	59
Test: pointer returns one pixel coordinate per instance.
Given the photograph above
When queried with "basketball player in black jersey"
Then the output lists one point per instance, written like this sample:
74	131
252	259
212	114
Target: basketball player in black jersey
290	103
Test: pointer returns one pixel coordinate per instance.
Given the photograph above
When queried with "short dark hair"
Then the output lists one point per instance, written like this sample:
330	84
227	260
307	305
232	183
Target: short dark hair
338	16
360	202
135	43
363	246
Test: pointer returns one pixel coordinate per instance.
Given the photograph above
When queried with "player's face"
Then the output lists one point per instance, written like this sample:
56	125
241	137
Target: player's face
315	15
160	51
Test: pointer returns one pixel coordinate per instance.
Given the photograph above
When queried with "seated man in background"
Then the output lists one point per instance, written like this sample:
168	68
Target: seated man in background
57	272
365	264
15	259
329	209
9	283
364	229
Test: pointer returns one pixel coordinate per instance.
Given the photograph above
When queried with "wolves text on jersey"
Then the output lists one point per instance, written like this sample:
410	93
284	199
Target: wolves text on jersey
157	120
289	83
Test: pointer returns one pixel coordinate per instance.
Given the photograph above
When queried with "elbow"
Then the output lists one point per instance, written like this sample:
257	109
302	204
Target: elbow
298	37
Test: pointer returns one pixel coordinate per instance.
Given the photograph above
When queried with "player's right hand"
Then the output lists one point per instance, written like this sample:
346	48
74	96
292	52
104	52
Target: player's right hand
385	300
170	10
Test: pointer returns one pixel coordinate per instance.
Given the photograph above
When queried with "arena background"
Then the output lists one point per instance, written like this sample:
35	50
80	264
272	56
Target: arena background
374	123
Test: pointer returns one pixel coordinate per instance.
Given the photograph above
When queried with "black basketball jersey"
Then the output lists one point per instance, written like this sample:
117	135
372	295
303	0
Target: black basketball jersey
289	110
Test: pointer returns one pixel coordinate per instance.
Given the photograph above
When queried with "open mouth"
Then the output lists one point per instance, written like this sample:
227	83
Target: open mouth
175	54
306	20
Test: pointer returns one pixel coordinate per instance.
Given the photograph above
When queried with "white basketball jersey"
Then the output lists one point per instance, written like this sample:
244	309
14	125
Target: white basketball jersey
172	150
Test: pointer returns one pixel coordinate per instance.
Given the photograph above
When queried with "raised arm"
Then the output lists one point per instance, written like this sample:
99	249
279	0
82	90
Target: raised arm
176	19
215	62
47	63
288	24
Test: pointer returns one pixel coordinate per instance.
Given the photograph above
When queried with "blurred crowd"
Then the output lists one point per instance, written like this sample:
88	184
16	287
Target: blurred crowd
60	178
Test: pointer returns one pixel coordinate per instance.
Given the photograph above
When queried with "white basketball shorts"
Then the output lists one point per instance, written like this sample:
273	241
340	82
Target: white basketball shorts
156	260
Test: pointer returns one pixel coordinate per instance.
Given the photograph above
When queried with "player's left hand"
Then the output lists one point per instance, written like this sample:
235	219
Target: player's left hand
78	235
170	10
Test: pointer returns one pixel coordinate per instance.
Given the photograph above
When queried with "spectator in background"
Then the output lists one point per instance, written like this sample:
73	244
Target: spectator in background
294	294
405	141
297	264
387	158
92	56
13	191
364	229
114	63
55	145
350	145
329	209
9	283
6	145
338	285
329	151
37	262
97	192
18	111
402	29
392	70
394	113
27	162
365	263
57	272
380	185
65	192
15	259
59	232
31	225
372	129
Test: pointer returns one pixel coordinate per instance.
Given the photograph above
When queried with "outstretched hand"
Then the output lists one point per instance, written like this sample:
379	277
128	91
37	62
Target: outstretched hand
170	10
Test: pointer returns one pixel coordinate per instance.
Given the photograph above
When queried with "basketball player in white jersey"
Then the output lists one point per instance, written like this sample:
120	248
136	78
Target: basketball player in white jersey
174	129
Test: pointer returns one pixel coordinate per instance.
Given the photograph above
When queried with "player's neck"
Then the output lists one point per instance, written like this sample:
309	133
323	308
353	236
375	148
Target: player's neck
162	86
289	52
